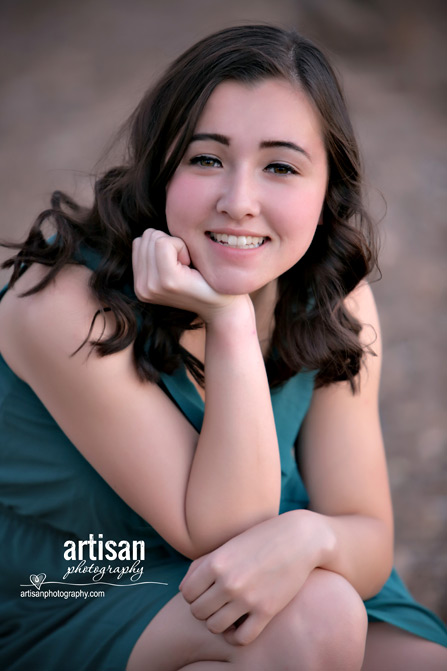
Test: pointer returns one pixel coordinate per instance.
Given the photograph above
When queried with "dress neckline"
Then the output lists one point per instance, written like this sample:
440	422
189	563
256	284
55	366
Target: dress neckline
185	396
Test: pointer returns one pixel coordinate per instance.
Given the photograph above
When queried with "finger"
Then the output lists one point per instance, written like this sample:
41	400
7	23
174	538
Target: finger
208	603
136	244
225	618
246	631
171	254
151	235
182	250
198	579
192	568
141	264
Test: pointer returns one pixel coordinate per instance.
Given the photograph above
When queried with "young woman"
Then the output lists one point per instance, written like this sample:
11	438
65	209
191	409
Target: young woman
194	362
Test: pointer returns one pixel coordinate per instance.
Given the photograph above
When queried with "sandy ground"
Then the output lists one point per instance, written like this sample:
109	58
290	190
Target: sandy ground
71	72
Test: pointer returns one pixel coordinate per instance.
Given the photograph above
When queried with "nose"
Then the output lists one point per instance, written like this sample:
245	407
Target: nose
239	197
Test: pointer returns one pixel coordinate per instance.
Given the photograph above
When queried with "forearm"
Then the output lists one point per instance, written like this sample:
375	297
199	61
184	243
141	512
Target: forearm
358	547
235	476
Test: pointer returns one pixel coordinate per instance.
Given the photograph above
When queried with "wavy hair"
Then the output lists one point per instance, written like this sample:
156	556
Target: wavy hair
313	329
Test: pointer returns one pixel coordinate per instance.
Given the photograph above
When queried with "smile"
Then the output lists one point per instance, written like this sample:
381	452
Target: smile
237	241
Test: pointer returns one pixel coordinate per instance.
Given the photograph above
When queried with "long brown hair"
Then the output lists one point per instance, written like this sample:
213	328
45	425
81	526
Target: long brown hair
313	329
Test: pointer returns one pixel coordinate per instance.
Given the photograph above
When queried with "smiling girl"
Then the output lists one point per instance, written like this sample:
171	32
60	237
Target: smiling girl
195	361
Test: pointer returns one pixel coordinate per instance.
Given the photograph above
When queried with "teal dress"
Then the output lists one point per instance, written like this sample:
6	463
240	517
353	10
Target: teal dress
51	499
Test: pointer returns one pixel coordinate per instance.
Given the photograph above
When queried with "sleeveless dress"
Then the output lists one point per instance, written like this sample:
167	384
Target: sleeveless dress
51	499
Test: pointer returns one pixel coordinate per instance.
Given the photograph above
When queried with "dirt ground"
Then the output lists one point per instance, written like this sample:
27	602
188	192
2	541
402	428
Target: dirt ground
71	72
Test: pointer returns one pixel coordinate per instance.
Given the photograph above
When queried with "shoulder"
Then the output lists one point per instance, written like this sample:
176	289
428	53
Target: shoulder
341	441
362	305
57	317
127	429
337	400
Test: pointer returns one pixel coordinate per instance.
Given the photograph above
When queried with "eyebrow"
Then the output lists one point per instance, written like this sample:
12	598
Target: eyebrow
222	139
286	145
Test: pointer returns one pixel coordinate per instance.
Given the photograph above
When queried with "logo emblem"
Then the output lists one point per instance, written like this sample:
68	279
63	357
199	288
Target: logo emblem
37	580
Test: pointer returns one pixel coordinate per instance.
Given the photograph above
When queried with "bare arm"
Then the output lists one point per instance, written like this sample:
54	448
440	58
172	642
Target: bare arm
236	464
197	491
348	528
344	468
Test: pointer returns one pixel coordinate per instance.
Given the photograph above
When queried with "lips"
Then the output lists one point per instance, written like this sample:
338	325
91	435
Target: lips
238	241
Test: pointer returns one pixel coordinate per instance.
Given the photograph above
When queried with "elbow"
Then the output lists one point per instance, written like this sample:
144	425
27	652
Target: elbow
381	570
197	530
387	554
195	543
376	583
190	548
383	575
205	537
193	548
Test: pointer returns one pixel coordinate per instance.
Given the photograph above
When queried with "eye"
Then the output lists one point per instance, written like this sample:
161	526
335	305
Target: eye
281	169
205	161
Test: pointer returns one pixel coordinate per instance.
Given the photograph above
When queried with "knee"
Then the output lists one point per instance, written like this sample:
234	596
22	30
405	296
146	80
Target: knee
335	622
323	627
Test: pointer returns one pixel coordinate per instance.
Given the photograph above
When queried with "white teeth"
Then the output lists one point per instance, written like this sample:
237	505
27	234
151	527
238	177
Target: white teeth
238	241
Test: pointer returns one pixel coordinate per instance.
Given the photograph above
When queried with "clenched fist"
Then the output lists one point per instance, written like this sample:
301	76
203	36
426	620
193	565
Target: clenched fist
162	275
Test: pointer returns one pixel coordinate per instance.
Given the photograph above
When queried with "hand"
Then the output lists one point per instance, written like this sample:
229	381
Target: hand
162	275
252	577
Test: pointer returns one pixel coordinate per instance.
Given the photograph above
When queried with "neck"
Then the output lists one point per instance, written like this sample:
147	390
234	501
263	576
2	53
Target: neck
264	301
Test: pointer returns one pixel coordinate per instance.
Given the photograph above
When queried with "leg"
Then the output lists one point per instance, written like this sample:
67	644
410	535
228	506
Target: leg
389	648
323	627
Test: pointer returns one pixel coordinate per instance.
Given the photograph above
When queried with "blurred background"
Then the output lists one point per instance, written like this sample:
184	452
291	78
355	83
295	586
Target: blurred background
70	73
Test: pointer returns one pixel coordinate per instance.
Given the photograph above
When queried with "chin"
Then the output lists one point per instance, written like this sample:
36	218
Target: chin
232	286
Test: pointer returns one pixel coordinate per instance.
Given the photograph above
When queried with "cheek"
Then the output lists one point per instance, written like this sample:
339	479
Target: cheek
185	202
299	221
301	215
175	196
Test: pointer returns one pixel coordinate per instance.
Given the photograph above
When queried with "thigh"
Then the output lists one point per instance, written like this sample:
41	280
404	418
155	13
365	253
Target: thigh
175	638
389	648
325	621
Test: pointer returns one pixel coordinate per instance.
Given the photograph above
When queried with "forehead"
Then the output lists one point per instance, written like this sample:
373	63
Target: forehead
270	107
